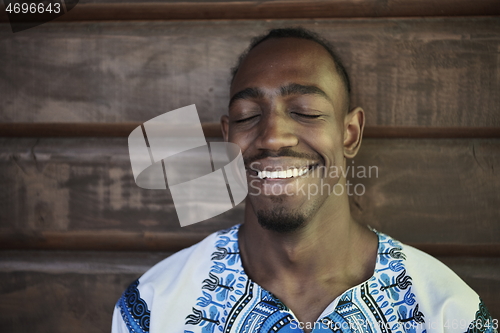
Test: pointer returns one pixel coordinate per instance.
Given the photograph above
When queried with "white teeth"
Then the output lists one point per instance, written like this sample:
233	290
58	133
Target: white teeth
294	172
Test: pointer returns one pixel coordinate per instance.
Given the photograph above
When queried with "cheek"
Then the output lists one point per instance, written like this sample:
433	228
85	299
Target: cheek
242	140
329	145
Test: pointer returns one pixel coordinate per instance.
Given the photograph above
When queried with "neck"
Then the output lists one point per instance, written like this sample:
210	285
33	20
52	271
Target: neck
331	251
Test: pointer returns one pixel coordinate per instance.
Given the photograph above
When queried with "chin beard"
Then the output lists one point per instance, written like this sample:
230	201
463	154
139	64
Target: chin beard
280	220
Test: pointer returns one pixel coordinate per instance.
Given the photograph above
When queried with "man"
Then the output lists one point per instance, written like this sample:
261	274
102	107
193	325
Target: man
299	262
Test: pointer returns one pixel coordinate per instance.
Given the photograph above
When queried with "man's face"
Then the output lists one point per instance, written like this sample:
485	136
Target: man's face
286	113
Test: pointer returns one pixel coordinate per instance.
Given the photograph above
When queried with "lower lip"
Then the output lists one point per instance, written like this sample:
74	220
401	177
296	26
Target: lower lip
280	186
280	179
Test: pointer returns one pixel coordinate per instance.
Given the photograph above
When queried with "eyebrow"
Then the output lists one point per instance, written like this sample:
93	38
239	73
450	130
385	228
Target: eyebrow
290	89
247	93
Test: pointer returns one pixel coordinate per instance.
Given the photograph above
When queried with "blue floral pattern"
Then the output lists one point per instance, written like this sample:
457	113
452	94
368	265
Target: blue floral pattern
229	298
230	302
134	309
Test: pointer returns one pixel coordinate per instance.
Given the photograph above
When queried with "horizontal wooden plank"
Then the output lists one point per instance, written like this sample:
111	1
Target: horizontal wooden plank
37	130
60	303
431	132
76	292
42	130
108	241
274	10
79	262
171	242
459	250
419	72
419	191
430	191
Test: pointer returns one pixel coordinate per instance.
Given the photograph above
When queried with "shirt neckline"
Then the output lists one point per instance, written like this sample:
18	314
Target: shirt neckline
333	305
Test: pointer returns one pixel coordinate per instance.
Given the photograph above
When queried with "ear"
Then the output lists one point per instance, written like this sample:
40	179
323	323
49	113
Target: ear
224	124
354	123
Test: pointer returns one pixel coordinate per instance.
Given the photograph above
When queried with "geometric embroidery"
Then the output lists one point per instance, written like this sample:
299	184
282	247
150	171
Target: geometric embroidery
483	321
382	306
134	309
231	302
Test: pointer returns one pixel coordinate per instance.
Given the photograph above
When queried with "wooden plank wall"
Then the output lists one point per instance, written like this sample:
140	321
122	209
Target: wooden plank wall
75	230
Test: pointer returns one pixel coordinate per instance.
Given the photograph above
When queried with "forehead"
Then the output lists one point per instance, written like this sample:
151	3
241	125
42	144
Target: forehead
278	62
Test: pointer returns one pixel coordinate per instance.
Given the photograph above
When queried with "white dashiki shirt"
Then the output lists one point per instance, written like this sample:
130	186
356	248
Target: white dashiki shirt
204	289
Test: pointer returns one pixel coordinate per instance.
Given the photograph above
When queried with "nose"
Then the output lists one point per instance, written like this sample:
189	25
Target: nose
276	131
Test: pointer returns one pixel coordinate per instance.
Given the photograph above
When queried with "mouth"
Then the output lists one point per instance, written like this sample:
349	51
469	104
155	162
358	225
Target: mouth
292	172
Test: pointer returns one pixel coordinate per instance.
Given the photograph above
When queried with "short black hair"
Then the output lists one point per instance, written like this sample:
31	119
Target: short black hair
297	32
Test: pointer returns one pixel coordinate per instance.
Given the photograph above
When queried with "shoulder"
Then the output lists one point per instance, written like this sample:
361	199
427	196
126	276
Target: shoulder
185	262
169	287
438	279
443	298
426	272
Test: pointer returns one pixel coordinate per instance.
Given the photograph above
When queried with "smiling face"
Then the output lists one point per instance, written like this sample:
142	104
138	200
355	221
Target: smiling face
288	114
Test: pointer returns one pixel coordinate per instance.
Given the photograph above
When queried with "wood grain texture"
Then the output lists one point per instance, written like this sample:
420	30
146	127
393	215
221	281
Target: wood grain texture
60	303
420	191
75	292
115	240
170	242
37	130
431	191
210	10
83	185
213	130
441	72
80	262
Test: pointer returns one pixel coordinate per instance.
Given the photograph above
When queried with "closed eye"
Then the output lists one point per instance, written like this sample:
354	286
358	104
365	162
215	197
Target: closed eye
246	119
309	116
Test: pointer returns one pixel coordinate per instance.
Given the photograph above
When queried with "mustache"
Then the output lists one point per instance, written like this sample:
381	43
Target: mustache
285	152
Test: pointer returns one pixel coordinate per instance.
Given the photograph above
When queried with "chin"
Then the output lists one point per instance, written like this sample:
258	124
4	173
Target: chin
281	220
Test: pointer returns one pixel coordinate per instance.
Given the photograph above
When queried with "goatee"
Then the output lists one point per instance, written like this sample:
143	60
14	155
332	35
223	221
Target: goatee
280	220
